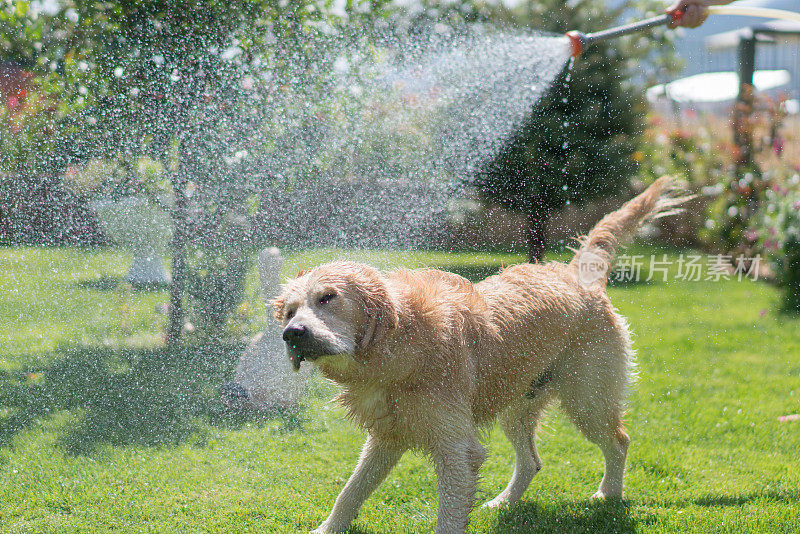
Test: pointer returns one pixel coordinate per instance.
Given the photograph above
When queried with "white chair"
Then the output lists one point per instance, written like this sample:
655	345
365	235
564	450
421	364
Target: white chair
264	377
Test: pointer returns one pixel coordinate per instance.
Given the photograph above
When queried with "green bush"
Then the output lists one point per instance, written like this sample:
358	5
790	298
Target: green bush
780	237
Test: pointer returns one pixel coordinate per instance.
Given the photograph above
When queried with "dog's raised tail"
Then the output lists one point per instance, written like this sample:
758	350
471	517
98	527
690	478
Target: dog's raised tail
598	248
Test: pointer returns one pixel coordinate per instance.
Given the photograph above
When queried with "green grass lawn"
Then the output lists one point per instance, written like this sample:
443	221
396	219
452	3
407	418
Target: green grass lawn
101	429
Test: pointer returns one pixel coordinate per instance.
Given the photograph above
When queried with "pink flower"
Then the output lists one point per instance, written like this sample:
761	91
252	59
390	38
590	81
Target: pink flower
12	102
72	171
777	145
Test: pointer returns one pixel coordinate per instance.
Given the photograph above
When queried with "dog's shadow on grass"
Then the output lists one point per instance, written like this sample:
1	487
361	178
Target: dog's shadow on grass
148	397
611	516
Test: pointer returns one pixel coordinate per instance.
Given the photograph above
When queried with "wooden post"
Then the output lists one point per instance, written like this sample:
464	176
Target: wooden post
743	109
747	61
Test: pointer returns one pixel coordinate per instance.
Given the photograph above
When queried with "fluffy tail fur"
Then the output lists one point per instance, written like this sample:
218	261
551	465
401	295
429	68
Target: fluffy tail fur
661	199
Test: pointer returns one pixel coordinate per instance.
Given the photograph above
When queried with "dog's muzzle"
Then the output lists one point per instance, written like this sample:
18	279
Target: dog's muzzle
302	344
299	344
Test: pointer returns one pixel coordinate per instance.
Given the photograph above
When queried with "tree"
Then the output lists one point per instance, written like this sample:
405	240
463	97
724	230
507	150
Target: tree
578	143
182	82
221	94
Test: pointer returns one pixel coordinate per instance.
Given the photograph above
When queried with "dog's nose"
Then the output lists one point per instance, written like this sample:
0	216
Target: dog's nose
293	333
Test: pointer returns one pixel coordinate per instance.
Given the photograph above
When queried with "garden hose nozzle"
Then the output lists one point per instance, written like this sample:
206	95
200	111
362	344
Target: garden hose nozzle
580	41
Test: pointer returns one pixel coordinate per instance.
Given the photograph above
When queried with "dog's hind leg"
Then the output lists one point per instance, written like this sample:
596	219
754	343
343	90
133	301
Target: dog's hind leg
519	423
593	394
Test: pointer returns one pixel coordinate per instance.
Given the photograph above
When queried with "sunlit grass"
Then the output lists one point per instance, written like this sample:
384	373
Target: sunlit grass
101	430
53	296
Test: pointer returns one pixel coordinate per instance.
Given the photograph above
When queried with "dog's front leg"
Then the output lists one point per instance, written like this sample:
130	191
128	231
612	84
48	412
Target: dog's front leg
376	461
457	465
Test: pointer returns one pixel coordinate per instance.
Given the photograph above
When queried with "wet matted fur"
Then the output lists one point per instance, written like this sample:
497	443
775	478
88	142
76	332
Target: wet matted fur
426	358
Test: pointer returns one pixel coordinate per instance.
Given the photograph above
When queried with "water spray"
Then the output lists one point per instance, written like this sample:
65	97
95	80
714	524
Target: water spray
580	41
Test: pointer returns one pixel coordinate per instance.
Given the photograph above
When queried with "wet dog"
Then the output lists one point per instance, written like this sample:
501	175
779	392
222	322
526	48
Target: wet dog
426	358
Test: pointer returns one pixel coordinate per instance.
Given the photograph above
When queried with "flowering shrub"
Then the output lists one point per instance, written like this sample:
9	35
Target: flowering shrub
33	206
27	126
700	150
748	192
780	237
729	216
695	153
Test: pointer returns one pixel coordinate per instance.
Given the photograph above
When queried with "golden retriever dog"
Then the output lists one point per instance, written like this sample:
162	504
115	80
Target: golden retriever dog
426	359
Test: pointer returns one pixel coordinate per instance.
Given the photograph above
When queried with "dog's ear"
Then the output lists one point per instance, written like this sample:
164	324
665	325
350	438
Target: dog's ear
278	304
381	316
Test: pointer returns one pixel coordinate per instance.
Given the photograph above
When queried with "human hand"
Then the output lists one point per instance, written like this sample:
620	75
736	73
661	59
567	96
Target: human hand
694	12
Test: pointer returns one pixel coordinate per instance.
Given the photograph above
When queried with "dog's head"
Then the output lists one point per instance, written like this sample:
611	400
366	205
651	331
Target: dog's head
334	314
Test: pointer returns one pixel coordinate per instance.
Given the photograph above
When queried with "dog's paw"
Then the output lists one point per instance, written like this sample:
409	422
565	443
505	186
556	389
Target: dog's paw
602	496
326	528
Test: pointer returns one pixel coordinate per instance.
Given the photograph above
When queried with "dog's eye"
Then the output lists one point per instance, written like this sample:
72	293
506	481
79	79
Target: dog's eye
326	298
290	314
